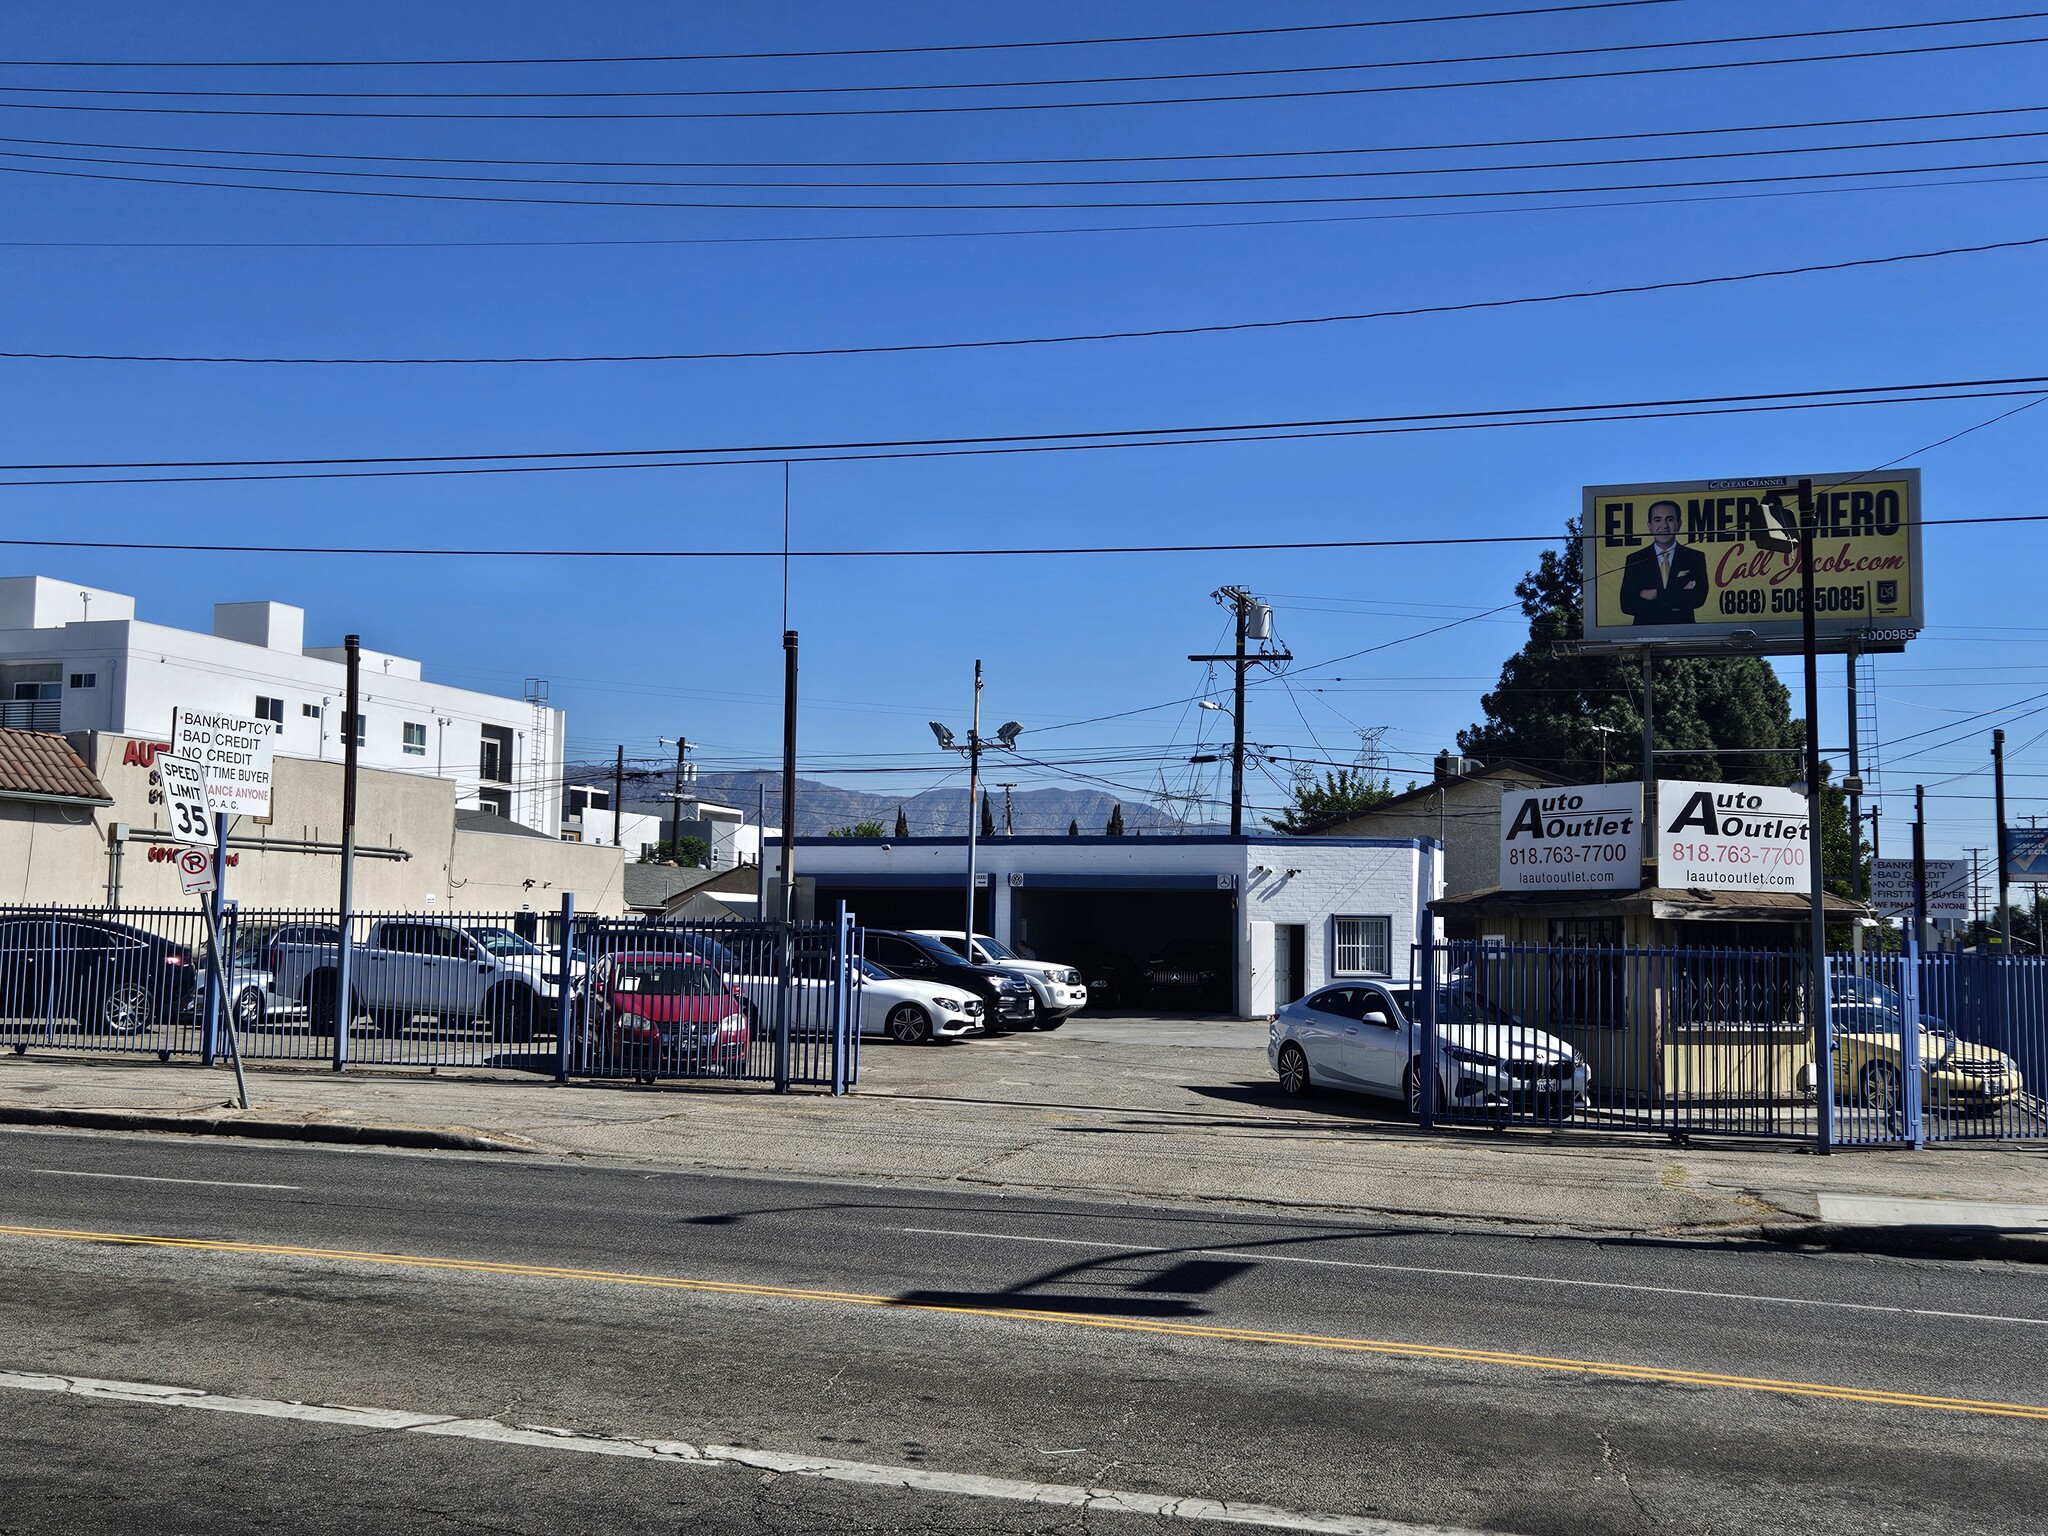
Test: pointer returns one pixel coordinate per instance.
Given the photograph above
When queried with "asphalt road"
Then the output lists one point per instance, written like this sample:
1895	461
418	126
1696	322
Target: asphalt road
750	1355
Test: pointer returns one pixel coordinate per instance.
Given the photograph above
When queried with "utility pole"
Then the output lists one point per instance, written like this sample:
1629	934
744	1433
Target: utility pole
619	797
1253	622
2004	881
351	734
675	798
1009	828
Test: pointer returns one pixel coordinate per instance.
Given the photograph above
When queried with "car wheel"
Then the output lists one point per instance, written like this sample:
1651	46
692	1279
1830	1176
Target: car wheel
1293	1068
907	1024
123	1008
1879	1089
323	1006
1411	1090
1045	1023
513	1014
249	1009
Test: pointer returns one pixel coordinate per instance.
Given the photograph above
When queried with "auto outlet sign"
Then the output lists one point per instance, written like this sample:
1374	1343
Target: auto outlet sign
1581	837
1732	837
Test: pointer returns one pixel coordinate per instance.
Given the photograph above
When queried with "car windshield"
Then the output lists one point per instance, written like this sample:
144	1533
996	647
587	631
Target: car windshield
994	949
1191	952
665	978
1455	1005
875	972
501	941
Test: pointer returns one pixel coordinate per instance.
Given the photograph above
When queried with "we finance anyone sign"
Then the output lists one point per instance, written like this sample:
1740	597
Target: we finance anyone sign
1732	837
234	753
1582	837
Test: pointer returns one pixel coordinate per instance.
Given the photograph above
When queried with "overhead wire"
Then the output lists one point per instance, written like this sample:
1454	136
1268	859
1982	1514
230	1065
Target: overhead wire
1042	83
966	108
1373	23
1151	333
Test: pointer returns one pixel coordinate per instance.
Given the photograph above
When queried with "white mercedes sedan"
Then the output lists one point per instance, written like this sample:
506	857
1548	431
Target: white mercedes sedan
1359	1036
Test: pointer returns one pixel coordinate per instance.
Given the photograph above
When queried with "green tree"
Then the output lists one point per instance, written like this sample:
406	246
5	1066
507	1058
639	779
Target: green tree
868	827
693	852
1073	829
988	816
1713	717
902	823
1115	827
1550	704
1341	795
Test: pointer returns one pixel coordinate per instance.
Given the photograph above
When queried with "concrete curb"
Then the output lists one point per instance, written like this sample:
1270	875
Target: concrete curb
421	1138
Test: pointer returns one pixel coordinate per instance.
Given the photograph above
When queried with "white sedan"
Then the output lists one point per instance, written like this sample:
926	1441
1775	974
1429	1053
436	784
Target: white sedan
912	1012
1357	1035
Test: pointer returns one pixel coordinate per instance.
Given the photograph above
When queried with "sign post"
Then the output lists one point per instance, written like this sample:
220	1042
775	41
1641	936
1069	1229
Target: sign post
201	790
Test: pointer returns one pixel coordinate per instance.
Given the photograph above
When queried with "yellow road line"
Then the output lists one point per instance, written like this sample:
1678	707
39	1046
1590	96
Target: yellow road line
1610	1368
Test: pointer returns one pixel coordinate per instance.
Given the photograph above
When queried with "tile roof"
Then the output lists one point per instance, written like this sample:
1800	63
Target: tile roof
40	765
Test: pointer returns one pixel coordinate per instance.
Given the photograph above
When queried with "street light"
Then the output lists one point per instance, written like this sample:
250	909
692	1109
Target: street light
1005	738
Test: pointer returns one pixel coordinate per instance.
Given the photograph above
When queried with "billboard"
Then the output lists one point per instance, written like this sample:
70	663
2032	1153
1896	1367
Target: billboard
1732	837
1579	837
1679	563
2026	855
1948	888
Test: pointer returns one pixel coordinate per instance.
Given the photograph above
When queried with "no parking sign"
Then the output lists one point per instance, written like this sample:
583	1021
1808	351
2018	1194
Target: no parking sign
196	874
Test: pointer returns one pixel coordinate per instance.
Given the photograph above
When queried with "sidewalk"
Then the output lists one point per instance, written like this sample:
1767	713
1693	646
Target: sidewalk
1120	1109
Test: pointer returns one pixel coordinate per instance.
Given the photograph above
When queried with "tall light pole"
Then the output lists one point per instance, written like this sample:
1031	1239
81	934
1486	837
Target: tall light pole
1005	738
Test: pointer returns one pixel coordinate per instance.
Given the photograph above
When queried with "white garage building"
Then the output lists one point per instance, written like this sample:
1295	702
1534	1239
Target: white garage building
1267	919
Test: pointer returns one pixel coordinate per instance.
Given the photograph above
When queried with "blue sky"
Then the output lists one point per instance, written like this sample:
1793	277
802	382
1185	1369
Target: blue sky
639	648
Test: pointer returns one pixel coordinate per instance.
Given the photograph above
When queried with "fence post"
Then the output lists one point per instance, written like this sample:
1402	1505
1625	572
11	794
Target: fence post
1426	1062
565	1001
842	977
1911	1124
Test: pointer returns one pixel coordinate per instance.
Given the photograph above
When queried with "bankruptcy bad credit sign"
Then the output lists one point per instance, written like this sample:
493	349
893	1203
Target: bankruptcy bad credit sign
234	752
1732	837
1581	837
1684	560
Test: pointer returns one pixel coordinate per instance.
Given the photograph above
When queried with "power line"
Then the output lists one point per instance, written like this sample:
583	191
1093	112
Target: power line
1026	447
837	53
917	553
815	446
1142	159
1321	92
990	343
1043	83
1043	205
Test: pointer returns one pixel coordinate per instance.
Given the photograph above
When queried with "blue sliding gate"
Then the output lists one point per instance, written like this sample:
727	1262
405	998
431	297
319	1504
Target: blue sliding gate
1701	1041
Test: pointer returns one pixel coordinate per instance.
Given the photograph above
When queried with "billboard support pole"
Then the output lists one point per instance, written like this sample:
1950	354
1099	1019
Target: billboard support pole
2004	875
1855	786
1823	1028
1649	763
1920	864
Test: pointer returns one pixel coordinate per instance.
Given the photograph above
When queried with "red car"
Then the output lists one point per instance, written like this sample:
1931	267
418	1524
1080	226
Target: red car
665	1014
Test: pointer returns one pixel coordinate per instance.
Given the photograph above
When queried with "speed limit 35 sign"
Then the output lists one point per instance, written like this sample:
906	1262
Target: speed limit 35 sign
184	785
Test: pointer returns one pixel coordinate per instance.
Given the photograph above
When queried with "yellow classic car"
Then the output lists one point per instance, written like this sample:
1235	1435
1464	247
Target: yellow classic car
1957	1077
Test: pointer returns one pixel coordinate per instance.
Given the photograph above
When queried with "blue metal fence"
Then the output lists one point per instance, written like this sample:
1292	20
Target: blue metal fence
542	992
1683	1042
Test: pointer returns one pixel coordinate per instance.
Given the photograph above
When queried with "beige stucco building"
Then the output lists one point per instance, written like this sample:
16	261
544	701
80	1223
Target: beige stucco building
91	834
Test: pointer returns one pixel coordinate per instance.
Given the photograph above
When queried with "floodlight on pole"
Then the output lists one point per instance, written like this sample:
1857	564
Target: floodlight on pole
1006	739
1212	704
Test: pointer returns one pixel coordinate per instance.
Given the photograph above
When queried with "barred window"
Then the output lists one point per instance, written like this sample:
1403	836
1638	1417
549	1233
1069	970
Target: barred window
1362	946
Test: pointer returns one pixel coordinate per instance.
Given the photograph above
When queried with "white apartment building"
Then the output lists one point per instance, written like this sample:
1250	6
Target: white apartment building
74	658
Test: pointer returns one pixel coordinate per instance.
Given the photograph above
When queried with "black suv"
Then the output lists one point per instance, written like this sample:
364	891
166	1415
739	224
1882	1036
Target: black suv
1007	1000
109	976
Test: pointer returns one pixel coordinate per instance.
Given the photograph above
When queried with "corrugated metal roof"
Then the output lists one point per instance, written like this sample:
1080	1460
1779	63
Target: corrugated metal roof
39	765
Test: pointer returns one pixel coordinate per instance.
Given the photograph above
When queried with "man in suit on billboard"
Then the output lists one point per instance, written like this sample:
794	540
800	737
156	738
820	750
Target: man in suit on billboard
1665	583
